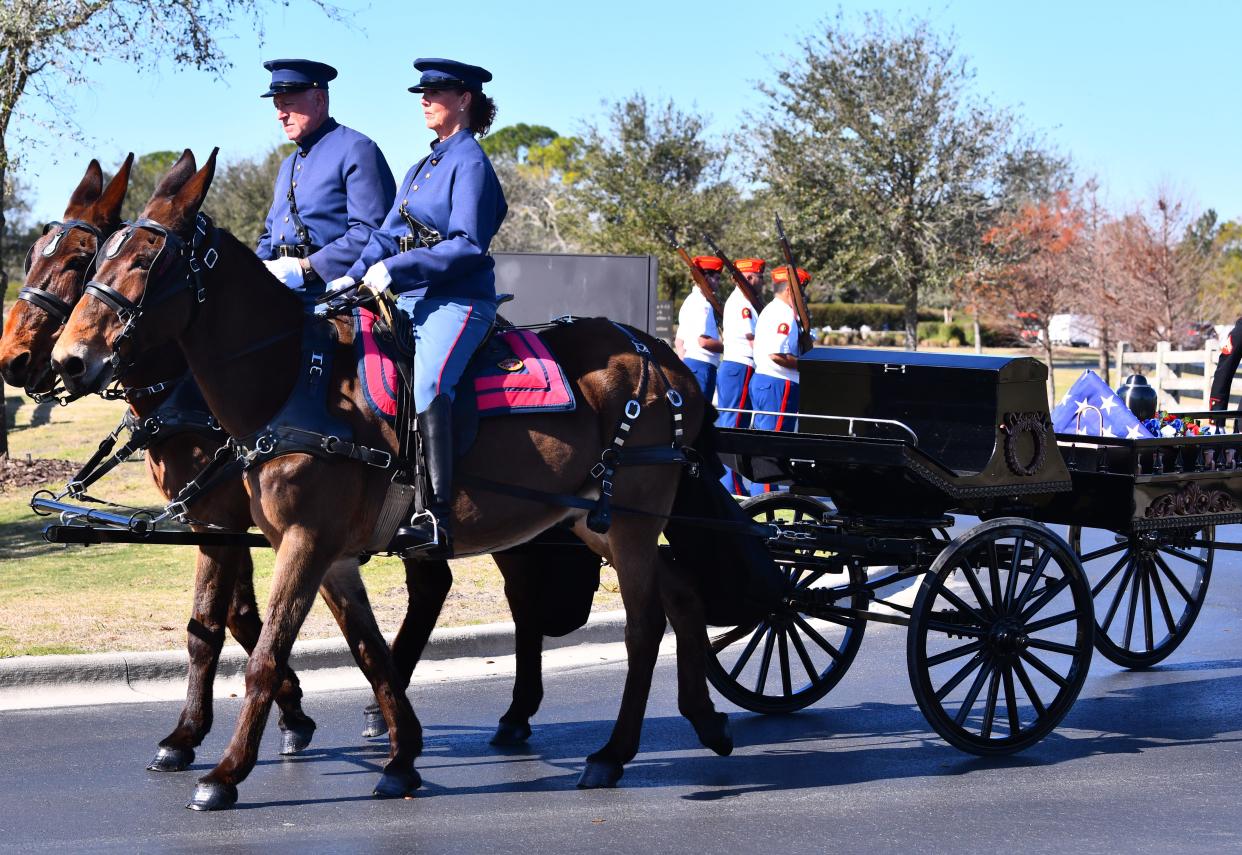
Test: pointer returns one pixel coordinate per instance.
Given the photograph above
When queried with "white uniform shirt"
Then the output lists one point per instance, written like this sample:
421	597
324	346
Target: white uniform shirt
740	318
695	319
776	332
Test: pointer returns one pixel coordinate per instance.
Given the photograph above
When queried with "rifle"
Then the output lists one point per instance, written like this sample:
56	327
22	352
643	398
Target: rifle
697	276
795	287
740	280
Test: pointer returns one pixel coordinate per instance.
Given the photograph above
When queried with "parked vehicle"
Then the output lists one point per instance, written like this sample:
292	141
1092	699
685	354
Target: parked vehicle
1073	330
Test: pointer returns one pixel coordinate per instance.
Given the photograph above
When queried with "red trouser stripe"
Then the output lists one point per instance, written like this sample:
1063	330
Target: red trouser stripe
440	376
784	404
741	405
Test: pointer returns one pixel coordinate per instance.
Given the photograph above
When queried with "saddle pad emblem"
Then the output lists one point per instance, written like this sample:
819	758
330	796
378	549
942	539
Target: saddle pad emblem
510	364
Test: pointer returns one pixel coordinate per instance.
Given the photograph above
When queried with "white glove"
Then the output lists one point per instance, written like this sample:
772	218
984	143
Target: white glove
340	282
287	270
377	279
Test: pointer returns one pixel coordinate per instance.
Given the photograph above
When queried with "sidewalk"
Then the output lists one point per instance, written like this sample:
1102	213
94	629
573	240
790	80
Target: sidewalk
28	682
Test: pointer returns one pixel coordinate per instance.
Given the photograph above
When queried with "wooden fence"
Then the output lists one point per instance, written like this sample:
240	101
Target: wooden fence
1175	374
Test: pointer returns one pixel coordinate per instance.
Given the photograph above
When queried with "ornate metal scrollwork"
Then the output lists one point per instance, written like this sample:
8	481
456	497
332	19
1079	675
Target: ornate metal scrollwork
1190	500
1016	424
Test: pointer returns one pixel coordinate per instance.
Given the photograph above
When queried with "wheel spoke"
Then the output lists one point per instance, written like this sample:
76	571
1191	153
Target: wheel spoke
786	679
807	664
998	602
1052	646
1147	627
989	706
1121	591
1011	703
1043	668
1011	582
732	636
961	675
959	602
1036	575
973	580
947	628
1048	595
955	653
1185	556
1108	577
1047	623
750	649
1181	589
1025	679
811	579
1164	604
971	696
1108	550
1135	584
816	637
766	662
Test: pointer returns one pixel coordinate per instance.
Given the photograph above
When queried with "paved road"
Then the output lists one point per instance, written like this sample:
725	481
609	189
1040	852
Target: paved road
1146	760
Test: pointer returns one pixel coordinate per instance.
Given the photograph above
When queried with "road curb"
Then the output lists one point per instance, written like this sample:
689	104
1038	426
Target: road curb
123	669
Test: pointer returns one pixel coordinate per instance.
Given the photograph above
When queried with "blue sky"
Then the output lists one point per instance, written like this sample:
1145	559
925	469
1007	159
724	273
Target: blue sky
1140	94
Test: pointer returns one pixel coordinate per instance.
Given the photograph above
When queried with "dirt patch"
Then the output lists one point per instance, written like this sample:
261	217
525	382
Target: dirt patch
34	472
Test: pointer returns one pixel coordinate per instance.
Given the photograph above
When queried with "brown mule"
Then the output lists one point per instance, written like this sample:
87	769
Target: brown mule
60	262
320	513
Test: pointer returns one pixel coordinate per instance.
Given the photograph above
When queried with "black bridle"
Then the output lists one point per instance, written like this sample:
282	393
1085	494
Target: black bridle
178	266
41	298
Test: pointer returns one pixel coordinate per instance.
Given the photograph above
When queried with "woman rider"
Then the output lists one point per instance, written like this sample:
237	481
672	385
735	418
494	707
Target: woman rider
444	282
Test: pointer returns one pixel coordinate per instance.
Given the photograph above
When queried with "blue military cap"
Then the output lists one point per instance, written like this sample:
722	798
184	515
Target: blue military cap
449	74
294	75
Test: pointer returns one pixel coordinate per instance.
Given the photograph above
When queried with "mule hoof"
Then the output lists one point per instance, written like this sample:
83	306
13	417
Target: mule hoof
715	734
294	740
600	774
169	759
397	785
213	797
373	723
510	733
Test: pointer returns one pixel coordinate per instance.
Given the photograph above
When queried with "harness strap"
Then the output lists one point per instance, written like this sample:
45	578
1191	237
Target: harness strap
570	501
57	308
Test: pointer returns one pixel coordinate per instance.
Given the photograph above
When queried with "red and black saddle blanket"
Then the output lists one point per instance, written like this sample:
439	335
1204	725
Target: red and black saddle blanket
513	372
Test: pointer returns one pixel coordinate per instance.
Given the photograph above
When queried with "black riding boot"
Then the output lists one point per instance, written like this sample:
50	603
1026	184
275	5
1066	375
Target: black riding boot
435	427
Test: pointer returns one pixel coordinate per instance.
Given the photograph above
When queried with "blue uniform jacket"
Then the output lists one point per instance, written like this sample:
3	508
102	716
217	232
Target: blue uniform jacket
454	191
343	188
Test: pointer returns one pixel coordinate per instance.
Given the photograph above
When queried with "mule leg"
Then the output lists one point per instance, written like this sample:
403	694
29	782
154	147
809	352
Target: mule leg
427	582
296	727
633	543
215	571
514	726
685	611
346	596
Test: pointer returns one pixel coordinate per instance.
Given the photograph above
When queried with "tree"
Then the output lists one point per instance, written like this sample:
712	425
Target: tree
48	46
876	151
651	168
536	167
241	193
1038	251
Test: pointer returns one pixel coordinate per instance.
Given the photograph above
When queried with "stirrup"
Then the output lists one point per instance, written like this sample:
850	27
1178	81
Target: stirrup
422	537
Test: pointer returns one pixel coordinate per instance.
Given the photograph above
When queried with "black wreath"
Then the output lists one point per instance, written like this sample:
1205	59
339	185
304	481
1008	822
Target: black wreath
1017	424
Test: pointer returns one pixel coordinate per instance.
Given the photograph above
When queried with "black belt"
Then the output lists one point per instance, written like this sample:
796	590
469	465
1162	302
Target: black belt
296	250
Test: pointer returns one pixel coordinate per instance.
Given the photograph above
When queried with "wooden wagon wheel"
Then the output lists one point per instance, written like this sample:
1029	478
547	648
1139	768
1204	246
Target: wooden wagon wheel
1148	588
1000	637
795	655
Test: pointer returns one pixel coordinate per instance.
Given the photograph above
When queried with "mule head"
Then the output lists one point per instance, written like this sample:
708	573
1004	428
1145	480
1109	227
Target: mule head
136	300
55	272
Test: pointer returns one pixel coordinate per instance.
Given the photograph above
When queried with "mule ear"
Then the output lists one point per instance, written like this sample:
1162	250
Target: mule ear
88	190
177	176
108	208
192	193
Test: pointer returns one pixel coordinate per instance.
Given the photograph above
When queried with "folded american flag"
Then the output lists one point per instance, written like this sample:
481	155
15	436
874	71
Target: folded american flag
1090	408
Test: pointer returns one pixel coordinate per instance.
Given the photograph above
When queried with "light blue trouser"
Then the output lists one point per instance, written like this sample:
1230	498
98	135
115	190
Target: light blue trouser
447	332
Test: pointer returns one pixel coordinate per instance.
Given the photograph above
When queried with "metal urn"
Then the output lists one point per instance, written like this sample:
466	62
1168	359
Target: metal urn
1139	396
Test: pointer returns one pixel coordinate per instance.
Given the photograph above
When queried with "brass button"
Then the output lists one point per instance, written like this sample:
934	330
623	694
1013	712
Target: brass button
295	184
286	219
428	175
405	201
415	187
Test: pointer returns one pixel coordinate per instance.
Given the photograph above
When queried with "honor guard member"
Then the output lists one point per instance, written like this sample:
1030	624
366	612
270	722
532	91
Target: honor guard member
431	251
738	363
331	193
699	337
774	388
1226	368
